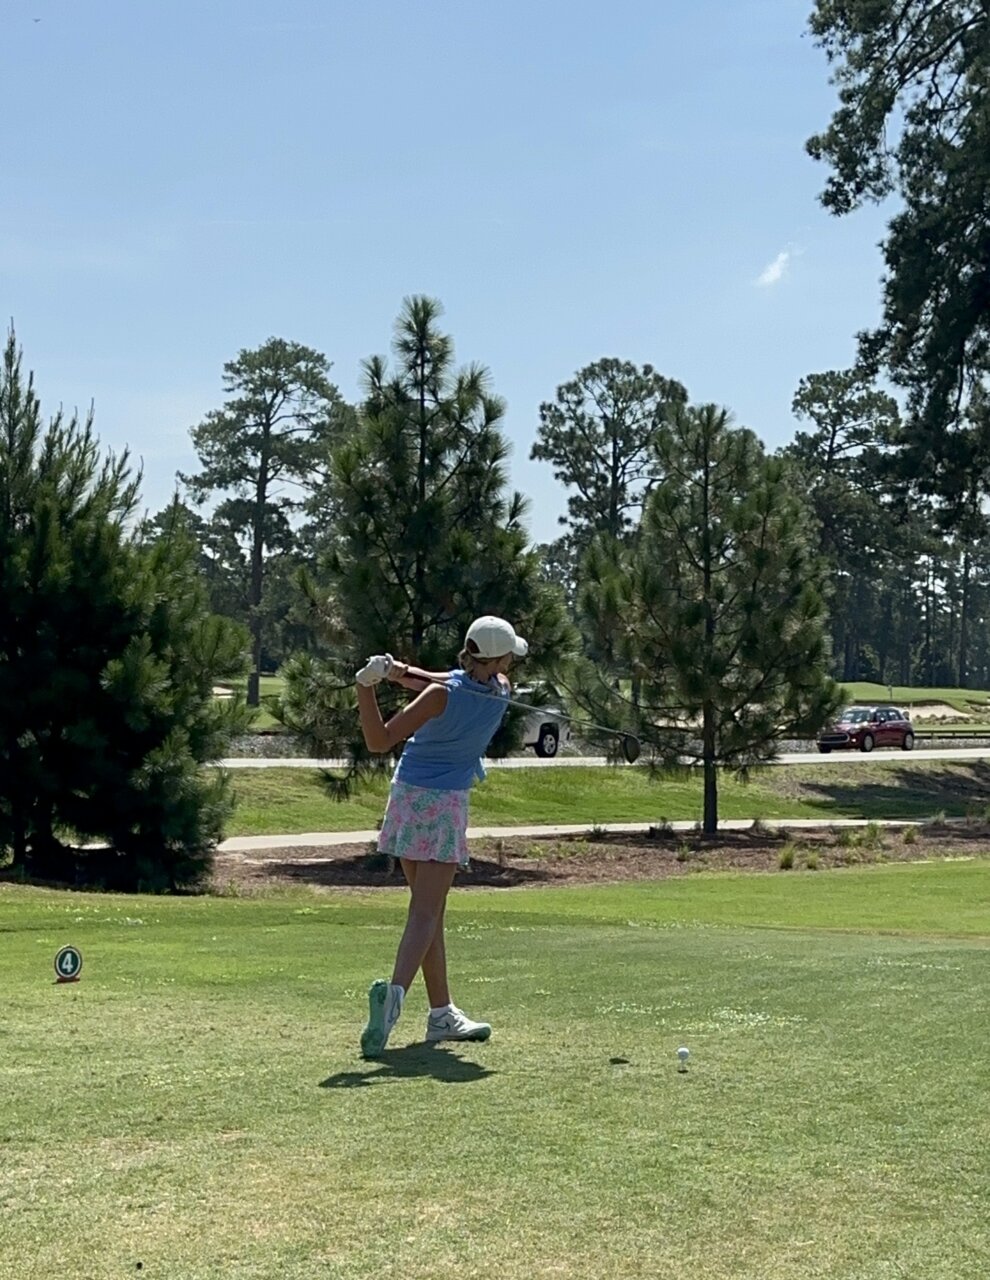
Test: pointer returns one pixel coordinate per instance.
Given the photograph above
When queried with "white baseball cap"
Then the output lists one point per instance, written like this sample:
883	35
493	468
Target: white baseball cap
495	637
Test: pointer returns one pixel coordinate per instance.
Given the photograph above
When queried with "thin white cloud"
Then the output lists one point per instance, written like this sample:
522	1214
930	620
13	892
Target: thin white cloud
776	270
61	254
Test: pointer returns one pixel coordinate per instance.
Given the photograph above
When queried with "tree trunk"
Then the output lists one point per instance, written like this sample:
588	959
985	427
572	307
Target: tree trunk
849	663
614	523
255	622
883	640
417	619
962	661
254	675
710	820
929	604
257	578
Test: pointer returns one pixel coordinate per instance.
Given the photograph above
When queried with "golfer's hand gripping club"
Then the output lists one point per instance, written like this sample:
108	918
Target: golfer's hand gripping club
376	669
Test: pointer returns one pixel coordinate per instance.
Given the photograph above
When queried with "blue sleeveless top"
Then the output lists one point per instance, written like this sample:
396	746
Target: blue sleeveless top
446	752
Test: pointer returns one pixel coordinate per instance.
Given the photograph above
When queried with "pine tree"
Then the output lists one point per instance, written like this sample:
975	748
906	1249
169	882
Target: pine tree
841	468
281	414
913	122
107	664
718	606
426	535
598	434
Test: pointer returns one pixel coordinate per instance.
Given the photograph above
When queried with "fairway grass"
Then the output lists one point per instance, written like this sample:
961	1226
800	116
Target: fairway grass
272	801
194	1108
966	701
269	687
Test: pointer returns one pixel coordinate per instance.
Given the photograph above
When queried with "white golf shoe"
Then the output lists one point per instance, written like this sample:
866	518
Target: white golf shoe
454	1024
384	1007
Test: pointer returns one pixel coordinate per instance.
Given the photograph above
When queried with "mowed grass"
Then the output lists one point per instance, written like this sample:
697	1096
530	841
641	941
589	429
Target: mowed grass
272	801
963	700
195	1107
297	800
269	687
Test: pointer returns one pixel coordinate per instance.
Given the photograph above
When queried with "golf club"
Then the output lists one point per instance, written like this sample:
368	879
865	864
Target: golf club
629	744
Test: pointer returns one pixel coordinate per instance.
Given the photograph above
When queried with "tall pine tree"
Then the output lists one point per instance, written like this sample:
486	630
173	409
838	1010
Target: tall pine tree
426	535
598	433
913	121
717	607
841	466
281	414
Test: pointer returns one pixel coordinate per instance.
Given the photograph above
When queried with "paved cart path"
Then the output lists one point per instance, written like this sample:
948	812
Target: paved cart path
583	762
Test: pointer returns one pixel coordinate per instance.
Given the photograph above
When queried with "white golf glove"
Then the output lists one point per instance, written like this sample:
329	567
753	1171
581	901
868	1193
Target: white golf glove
375	669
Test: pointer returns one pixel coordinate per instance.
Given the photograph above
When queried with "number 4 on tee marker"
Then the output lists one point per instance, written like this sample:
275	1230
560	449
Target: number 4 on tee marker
68	963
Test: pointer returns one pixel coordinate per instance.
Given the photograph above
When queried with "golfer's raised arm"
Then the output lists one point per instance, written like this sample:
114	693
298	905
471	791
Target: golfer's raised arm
381	737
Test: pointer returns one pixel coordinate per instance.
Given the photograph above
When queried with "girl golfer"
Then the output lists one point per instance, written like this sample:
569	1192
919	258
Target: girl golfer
446	732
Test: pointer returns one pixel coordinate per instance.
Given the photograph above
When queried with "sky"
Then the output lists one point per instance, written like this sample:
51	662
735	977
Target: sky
572	180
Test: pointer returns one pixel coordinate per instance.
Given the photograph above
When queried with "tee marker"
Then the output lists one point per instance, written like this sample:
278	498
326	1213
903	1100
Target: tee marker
68	965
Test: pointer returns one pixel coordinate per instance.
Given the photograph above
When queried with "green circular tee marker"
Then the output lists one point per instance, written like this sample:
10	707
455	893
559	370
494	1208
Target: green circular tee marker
68	964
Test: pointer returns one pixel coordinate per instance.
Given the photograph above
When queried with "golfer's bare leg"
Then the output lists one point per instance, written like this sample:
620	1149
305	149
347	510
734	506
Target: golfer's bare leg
429	885
434	964
435	969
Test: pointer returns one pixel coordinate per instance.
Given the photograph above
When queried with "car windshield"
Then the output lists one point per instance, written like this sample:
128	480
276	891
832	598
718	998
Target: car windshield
857	715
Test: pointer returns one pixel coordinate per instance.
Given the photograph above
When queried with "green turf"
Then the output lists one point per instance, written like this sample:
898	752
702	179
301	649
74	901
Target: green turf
269	687
963	700
889	786
293	800
194	1107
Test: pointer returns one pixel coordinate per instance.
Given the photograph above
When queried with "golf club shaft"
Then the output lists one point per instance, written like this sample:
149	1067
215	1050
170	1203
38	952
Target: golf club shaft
525	706
626	738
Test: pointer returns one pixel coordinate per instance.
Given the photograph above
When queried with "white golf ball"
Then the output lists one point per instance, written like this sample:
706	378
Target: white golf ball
683	1054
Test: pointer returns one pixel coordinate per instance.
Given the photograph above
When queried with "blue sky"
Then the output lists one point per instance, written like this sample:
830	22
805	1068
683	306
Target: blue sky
573	180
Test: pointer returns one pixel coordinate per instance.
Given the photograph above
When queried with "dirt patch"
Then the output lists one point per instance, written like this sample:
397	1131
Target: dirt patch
603	858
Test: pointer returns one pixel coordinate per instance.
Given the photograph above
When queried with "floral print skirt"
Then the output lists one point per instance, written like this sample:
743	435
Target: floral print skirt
425	825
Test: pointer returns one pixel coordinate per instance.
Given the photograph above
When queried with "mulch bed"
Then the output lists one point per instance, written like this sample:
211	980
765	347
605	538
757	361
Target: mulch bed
602	858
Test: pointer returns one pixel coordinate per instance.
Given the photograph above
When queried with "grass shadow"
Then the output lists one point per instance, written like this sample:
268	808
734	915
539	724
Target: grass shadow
954	790
955	831
415	1061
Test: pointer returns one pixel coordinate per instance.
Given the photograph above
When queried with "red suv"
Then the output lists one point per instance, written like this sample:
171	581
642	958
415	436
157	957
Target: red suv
863	728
